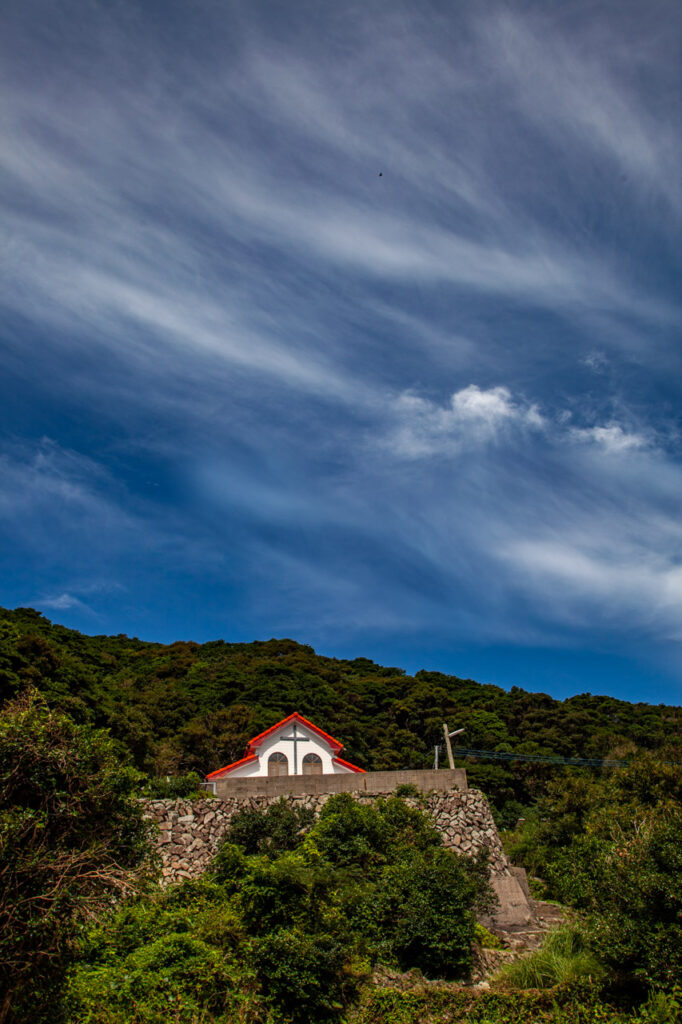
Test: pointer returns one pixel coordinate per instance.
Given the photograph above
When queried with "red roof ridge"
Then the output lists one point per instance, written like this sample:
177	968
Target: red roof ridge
347	764
229	767
295	717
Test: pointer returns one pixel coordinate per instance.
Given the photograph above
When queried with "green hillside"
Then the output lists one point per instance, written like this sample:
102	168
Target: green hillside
192	707
292	918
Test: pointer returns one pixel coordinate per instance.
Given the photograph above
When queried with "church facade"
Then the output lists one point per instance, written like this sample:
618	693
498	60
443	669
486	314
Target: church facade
293	746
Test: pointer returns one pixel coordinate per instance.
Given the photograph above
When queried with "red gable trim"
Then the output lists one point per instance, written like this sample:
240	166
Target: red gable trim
257	740
231	767
347	764
250	756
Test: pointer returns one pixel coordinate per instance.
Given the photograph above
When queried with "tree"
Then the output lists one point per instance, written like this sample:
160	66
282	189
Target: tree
627	876
425	906
72	839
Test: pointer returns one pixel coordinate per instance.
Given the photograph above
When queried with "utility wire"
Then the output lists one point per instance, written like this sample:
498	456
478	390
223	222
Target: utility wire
503	755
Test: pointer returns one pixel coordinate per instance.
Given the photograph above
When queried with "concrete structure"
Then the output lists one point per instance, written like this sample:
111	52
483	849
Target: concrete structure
426	781
293	746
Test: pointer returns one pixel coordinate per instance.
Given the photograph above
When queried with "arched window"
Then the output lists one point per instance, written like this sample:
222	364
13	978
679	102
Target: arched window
278	764
312	764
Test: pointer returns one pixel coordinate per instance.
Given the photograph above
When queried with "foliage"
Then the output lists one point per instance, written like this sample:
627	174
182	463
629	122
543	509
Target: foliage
627	876
192	707
72	837
289	932
183	787
425	907
278	828
407	789
173	956
348	832
662	1007
307	977
563	958
568	1004
487	939
612	848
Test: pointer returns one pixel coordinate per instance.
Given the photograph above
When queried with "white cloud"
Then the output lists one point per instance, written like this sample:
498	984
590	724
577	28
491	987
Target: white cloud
472	416
62	602
612	438
612	578
579	90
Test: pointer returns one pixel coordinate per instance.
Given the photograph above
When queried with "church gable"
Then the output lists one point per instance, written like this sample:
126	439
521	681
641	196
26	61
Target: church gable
293	746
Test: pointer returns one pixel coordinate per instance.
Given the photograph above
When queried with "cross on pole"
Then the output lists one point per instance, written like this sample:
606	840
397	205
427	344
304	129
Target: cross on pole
448	746
296	739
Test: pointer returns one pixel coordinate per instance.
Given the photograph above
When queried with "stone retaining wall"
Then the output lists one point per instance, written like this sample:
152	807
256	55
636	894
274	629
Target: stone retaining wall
189	832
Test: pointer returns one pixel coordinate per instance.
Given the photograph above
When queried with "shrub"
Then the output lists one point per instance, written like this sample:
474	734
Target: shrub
278	828
425	908
293	889
183	787
368	835
627	876
176	955
407	789
308	979
487	939
72	838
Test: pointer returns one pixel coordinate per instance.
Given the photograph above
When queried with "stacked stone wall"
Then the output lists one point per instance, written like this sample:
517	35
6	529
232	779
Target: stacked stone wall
189	831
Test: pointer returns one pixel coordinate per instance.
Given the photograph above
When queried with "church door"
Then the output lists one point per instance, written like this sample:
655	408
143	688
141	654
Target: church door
312	764
278	764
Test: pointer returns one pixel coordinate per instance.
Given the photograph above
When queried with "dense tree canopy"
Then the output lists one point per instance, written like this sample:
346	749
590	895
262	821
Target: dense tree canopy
72	837
295	914
192	707
289	921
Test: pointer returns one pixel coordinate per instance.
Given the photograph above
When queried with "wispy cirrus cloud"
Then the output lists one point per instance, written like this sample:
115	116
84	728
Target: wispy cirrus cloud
315	398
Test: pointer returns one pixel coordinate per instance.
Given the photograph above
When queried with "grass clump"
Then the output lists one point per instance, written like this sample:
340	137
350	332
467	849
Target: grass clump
562	959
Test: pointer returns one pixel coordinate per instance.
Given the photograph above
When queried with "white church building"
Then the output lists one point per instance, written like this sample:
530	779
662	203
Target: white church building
292	747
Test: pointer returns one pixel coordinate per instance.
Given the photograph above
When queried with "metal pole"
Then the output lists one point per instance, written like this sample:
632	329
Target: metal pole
436	751
448	745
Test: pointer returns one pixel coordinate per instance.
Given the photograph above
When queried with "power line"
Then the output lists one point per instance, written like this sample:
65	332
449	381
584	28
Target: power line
585	762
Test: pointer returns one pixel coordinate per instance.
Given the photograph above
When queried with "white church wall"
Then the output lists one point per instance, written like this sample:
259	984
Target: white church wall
308	743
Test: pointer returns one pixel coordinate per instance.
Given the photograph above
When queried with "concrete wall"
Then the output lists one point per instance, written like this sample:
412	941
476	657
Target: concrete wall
426	781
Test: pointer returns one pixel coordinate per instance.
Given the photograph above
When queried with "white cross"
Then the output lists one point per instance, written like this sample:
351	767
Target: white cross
296	739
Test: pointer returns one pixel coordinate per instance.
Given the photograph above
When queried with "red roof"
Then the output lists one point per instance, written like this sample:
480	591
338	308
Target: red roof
347	764
252	745
257	740
229	767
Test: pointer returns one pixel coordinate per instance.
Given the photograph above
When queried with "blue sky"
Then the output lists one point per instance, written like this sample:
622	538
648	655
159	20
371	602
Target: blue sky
356	323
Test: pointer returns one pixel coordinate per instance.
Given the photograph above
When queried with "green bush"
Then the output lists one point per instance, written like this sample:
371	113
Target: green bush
72	840
407	789
368	835
307	979
627	877
487	939
435	1005
176	955
291	889
278	828
183	787
425	910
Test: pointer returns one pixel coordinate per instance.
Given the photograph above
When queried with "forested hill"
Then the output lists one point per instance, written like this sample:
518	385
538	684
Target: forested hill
188	706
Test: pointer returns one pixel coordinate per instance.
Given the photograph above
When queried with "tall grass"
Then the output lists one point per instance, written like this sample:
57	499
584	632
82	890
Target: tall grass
563	957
